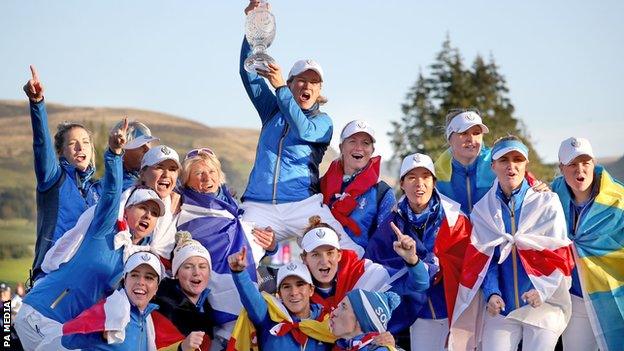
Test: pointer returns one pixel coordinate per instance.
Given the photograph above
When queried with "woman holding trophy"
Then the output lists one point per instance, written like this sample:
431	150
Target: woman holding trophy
283	187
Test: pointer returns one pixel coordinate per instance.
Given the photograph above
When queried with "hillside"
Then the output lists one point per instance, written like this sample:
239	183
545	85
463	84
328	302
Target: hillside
234	146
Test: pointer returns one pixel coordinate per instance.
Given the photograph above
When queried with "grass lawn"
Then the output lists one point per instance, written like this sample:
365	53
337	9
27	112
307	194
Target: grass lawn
15	270
17	231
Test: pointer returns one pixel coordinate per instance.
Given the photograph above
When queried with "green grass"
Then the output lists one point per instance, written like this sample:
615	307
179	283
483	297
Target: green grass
17	232
13	271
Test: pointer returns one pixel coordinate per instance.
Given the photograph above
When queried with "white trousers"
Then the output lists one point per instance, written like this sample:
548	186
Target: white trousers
288	220
37	332
501	334
429	334
579	335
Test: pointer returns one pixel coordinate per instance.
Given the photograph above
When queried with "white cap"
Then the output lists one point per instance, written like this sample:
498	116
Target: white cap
416	160
143	257
317	237
357	126
142	195
139	141
158	154
304	65
188	249
464	121
296	268
572	148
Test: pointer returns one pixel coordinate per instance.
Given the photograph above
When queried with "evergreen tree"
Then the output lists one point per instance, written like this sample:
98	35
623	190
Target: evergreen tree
451	85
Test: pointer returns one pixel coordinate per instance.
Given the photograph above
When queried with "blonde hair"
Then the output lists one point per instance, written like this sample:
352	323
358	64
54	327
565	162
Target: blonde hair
209	159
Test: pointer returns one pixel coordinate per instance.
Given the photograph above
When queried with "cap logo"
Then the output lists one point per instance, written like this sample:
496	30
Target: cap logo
575	142
309	62
291	266
417	158
320	233
145	257
470	116
165	150
361	125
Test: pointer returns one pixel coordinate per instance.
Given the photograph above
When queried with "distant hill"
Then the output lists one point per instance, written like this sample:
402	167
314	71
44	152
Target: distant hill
615	167
235	147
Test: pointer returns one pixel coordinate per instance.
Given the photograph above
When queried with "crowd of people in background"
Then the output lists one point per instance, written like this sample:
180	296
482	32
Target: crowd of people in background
469	252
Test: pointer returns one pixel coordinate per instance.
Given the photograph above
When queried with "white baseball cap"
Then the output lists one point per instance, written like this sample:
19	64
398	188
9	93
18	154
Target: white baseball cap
357	126
139	141
572	148
464	121
319	236
304	65
143	257
142	195
417	160
158	154
296	268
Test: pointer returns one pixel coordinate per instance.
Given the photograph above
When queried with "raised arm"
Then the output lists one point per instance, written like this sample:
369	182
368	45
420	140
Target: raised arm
317	129
251	298
260	94
47	168
107	208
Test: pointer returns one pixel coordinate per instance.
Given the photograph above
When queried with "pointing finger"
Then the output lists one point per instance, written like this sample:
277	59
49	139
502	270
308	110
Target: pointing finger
396	230
33	71
243	254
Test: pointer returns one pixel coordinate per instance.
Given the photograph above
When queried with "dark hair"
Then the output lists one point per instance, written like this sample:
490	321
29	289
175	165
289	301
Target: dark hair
61	131
506	138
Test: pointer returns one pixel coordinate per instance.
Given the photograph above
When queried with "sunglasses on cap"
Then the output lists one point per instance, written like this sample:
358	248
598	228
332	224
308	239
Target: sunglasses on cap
196	152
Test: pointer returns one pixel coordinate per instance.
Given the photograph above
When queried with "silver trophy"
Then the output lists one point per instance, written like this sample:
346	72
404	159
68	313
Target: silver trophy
260	32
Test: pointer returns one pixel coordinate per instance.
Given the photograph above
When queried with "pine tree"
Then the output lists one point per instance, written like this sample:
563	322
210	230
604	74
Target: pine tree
451	85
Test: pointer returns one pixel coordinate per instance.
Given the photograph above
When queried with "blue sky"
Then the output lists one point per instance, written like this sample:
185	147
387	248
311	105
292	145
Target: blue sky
561	59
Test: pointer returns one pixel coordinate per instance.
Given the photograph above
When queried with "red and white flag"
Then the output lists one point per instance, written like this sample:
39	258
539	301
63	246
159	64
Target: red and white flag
545	253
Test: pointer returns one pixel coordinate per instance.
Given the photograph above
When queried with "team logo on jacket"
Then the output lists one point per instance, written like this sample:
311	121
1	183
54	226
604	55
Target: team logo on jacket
363	203
291	266
165	150
320	233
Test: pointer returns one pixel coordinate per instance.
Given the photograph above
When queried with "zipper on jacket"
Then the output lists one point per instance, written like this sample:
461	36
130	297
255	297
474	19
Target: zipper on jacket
277	162
59	298
514	254
433	314
469	192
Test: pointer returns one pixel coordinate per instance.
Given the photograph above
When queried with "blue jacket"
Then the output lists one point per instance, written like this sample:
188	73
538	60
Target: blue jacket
371	210
55	213
136	335
423	228
575	214
505	280
258	313
130	178
96	268
291	144
465	184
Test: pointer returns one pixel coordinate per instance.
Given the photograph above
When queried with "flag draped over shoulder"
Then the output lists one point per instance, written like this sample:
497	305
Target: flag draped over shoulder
113	315
545	253
217	226
244	337
599	253
356	273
